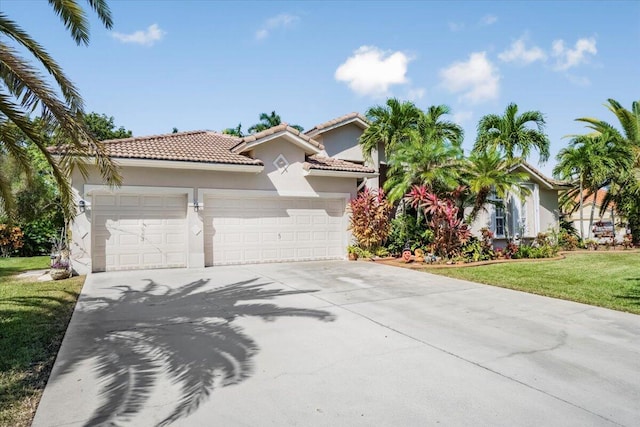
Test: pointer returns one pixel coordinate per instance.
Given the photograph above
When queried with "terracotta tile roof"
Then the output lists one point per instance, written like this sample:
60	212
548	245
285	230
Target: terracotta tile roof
283	127
329	163
588	198
342	119
194	146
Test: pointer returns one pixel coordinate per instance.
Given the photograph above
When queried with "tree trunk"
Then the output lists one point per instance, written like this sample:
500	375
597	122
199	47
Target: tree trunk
581	211
593	210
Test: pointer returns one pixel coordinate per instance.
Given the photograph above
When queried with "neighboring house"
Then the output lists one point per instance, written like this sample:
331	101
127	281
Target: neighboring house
196	199
602	226
522	220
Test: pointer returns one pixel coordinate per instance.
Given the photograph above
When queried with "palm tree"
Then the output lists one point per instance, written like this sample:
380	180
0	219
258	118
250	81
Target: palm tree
392	125
427	154
596	160
236	131
24	89
630	123
513	134
268	121
489	171
422	162
573	162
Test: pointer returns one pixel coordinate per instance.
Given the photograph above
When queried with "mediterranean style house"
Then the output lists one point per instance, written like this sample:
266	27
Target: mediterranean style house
197	199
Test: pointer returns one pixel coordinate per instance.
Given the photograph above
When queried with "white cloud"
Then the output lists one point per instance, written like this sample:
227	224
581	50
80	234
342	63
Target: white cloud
568	58
519	53
284	20
146	37
477	79
456	26
416	94
371	71
489	19
462	116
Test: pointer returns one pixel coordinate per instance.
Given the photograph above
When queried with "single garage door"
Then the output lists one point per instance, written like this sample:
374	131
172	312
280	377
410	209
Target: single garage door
270	229
137	231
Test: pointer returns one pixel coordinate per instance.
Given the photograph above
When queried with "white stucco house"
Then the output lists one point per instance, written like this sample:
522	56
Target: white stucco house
522	220
196	199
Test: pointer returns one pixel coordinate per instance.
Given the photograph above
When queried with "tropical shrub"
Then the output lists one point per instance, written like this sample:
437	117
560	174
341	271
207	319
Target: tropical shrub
450	233
567	241
408	229
370	219
10	239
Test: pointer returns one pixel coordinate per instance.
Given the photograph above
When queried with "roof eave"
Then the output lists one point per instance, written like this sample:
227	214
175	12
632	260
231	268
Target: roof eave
339	174
355	120
285	134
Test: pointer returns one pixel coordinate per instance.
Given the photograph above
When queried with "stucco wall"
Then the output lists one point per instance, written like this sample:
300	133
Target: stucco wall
549	210
289	181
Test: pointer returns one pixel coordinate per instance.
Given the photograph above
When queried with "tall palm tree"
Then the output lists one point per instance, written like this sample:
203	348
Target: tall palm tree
236	131
629	122
487	171
392	125
515	135
24	89
422	162
624	189
268	121
426	154
573	162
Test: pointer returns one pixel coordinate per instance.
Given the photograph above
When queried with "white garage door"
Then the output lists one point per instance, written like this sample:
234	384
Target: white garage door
251	230
136	231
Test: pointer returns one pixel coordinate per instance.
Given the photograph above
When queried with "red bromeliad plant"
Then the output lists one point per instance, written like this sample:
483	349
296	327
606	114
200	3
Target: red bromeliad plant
450	232
369	222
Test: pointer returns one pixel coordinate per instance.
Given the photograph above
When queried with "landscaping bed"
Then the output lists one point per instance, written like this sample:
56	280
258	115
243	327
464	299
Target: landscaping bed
33	319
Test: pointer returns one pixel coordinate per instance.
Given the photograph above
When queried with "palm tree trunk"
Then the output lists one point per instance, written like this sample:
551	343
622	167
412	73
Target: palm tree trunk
593	210
581	212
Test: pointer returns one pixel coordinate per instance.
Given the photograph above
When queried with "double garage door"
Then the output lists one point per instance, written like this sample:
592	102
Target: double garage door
136	231
244	230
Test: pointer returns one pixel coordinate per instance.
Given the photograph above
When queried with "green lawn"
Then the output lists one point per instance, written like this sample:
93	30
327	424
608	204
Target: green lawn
609	279
33	318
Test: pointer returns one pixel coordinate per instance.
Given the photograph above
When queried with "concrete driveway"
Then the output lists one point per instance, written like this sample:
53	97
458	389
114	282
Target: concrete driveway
337	344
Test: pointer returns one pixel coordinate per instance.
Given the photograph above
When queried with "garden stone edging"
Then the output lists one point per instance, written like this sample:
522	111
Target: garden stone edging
415	265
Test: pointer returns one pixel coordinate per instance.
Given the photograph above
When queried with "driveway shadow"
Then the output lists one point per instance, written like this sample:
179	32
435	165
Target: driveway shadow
186	333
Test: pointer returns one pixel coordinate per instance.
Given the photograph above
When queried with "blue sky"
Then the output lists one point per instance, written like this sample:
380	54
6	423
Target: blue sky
211	65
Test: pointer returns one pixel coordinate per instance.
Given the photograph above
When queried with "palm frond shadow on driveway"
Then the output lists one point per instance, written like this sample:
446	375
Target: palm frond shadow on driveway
186	333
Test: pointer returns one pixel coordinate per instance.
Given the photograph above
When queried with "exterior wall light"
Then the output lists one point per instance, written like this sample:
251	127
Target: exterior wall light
82	205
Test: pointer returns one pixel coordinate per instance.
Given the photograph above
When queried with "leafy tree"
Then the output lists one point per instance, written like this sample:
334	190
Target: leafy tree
268	121
24	89
393	125
102	127
487	171
515	135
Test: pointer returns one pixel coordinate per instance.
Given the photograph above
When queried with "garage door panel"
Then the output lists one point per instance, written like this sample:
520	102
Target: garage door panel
245	230
139	231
